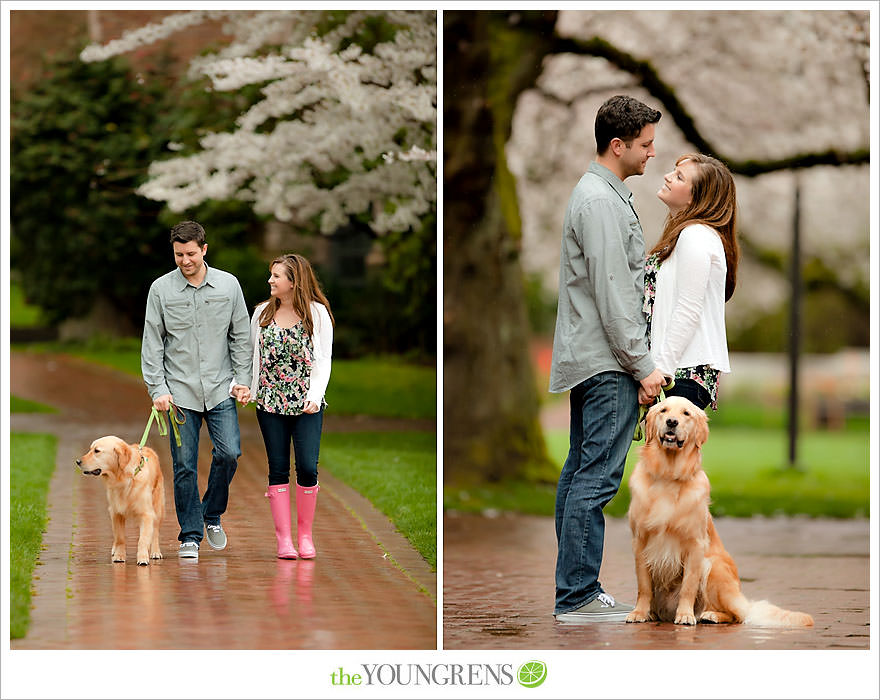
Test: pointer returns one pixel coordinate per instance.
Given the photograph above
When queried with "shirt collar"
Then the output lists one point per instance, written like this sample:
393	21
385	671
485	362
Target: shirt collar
612	179
183	282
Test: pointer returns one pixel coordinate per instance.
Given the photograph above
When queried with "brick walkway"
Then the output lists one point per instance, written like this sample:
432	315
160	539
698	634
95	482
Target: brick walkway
240	598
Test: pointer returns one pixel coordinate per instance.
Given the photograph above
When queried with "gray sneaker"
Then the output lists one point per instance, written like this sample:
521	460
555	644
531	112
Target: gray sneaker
216	536
188	550
603	609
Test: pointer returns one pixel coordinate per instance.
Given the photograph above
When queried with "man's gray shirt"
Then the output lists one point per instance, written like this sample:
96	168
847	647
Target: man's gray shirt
600	325
196	340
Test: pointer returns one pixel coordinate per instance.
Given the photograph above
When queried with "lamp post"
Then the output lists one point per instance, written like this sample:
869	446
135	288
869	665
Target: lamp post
794	327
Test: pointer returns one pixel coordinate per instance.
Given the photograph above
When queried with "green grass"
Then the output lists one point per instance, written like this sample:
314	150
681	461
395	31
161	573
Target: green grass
21	314
374	386
747	469
32	464
382	386
397	472
20	405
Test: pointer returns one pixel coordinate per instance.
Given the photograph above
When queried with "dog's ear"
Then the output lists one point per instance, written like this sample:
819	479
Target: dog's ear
125	461
651	425
701	434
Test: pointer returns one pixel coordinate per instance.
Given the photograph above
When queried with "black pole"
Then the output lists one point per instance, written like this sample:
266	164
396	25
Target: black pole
795	327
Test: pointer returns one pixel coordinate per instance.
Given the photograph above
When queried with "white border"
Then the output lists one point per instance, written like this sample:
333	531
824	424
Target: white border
575	673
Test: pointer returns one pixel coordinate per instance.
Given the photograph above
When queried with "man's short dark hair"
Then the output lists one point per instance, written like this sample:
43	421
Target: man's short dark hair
187	231
622	117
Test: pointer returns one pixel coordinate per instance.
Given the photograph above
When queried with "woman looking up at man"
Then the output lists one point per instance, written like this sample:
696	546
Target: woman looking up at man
689	275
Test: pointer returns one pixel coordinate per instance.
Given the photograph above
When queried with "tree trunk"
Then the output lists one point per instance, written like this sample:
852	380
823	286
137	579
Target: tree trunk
491	429
96	36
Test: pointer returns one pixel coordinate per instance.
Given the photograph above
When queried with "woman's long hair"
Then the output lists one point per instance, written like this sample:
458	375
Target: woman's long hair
713	203
305	290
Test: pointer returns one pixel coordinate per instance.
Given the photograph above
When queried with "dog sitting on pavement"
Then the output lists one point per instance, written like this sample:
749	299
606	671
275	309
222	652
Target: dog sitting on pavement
684	573
135	491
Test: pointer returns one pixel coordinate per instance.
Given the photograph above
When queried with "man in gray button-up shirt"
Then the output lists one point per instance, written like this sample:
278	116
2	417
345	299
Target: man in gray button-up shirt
600	351
196	353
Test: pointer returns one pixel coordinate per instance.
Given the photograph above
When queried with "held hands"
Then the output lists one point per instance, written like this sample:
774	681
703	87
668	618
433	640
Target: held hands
651	386
241	393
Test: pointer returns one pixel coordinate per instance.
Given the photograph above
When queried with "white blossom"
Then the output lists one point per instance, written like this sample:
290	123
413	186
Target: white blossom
415	153
354	130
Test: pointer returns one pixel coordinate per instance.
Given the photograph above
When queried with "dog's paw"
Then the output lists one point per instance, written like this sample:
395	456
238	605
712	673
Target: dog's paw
143	562
638	616
156	555
117	557
710	617
685	618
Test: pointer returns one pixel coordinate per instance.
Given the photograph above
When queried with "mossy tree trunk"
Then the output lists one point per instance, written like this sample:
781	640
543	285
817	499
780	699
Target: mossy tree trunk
491	429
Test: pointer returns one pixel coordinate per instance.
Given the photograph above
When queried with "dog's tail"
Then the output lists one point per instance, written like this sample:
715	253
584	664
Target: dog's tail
764	614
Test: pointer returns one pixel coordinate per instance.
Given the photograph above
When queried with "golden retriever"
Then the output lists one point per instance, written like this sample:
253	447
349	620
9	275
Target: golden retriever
684	573
135	489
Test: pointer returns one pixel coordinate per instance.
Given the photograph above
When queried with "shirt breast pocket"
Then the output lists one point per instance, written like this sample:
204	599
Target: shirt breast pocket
178	315
217	312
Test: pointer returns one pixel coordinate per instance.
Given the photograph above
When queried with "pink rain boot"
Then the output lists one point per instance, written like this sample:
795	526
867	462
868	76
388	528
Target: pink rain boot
306	499
279	501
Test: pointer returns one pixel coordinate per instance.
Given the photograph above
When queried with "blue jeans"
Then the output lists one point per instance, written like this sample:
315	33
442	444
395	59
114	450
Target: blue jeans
604	409
192	513
305	432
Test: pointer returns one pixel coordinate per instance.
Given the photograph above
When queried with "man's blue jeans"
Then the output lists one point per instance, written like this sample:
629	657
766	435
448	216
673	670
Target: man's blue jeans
604	409
192	513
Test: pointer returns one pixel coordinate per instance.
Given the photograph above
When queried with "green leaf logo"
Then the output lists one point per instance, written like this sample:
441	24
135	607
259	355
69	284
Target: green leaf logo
532	673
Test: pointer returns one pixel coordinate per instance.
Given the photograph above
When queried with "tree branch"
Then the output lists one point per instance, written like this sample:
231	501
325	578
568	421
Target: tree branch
653	83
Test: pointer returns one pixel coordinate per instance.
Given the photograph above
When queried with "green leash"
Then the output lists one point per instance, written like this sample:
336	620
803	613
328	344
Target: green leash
163	428
639	432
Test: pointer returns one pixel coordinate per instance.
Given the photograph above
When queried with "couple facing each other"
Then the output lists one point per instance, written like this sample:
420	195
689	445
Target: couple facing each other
627	322
202	351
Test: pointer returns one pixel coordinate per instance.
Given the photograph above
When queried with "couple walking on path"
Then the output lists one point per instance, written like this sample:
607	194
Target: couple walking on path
628	324
243	597
201	353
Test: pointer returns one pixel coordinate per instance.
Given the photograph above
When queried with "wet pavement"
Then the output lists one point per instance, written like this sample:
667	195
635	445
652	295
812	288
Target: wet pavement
240	598
498	585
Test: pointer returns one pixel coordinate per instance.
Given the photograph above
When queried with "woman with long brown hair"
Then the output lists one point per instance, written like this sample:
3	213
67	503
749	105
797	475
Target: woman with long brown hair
292	336
689	275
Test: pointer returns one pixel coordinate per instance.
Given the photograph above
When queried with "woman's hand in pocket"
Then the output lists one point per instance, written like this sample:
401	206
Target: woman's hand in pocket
310	407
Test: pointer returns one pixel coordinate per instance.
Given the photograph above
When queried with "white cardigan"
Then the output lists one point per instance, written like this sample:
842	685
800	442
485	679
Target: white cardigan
322	348
688	328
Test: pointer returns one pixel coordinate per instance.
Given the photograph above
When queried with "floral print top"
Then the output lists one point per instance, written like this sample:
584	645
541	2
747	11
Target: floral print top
285	369
704	375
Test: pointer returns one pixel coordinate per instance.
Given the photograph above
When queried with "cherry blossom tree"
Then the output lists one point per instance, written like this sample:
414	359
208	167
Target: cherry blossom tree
345	125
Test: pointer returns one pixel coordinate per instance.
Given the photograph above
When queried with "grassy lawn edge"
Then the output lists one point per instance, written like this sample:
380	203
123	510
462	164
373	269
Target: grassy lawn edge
31	469
746	468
